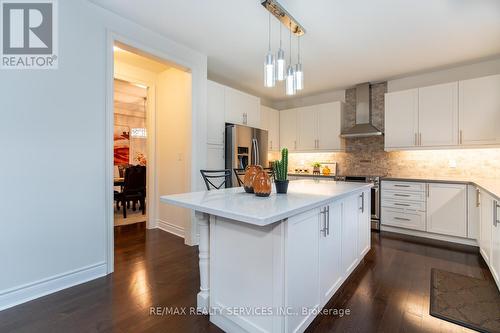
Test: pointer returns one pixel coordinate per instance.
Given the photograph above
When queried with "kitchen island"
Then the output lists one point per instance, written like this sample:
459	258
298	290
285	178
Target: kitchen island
271	264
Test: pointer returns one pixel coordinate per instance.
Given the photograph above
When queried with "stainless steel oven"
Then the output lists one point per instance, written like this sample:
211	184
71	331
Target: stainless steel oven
375	195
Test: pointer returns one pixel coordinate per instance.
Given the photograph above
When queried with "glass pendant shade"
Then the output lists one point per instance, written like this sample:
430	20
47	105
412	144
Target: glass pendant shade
299	77
290	81
269	71
280	65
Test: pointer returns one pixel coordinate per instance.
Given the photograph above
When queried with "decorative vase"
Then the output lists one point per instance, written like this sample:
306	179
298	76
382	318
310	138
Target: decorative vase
326	171
262	184
281	186
250	173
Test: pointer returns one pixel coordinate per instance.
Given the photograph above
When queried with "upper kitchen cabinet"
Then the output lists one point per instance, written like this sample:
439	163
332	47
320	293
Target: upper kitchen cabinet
270	121
312	128
241	108
307	125
479	111
438	115
401	119
215	113
288	129
329	126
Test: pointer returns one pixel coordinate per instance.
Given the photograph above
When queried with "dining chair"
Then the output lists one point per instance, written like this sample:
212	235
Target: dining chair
134	189
216	179
240	174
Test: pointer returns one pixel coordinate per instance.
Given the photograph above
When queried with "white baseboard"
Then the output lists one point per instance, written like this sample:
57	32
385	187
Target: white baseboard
452	239
170	228
28	292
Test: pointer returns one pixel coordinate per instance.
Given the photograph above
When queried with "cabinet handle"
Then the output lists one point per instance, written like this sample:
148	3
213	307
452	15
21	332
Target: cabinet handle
324	230
461	137
399	185
328	220
420	139
400	204
401	219
401	195
428	190
362	196
495	213
478	197
271	145
317	145
294	144
416	140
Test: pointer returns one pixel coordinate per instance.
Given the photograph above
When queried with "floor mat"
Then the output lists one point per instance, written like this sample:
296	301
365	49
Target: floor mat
466	301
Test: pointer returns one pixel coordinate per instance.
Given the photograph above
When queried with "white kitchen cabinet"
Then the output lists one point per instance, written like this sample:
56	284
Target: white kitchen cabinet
486	226
350	234
215	157
312	128
495	241
215	113
447	209
270	121
288	129
302	268
307	125
401	119
474	212
329	126
241	108
364	224
479	111
438	115
330	251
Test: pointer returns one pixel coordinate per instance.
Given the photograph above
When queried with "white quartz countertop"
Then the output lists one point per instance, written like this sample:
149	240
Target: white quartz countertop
492	185
234	203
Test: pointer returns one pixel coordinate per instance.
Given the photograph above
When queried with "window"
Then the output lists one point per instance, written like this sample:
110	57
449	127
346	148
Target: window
138	133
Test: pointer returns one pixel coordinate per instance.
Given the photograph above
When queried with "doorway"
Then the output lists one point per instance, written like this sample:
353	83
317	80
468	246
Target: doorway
152	120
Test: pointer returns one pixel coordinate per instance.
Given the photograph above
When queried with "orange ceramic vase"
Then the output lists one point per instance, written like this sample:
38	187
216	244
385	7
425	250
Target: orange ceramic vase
262	184
250	173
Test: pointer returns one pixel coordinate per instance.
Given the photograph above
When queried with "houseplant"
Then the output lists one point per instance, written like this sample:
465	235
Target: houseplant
316	167
281	172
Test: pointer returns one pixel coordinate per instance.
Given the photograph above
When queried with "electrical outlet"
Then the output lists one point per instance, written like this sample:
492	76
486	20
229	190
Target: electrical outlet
452	164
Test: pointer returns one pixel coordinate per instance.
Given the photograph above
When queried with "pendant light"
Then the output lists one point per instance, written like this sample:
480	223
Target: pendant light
290	73
280	62
269	68
299	74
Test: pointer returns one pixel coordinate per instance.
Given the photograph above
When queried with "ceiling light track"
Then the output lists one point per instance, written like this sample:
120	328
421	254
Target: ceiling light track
283	16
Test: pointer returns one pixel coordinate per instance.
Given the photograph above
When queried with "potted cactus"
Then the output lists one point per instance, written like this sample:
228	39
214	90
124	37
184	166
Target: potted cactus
281	172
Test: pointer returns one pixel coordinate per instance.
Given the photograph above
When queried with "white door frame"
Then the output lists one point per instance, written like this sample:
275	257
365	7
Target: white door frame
198	157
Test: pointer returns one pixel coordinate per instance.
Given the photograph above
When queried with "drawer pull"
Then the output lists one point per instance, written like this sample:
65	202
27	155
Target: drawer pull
399	185
400	204
401	219
401	195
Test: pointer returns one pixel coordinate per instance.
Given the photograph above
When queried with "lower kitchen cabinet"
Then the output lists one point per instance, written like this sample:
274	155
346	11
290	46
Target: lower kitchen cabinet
302	268
486	226
364	224
330	251
447	209
495	243
350	234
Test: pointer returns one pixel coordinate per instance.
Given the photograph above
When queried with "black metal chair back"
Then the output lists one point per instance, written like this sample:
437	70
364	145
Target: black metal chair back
216	179
239	173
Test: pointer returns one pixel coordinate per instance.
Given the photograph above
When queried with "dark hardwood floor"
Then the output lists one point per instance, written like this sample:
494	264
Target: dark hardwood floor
389	292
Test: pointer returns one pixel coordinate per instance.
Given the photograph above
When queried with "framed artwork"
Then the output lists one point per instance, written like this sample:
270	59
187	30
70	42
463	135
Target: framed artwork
121	145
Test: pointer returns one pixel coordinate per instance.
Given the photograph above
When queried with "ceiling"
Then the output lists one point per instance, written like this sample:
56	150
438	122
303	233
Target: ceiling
347	42
129	98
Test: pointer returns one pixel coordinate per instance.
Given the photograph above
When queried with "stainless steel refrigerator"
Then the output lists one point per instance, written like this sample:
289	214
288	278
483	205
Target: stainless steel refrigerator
245	146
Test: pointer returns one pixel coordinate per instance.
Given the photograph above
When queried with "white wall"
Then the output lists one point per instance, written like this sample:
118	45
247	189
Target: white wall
327	97
54	228
173	146
465	72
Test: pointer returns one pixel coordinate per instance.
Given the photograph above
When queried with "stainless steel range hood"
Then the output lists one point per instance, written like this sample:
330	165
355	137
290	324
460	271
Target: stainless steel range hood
363	125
